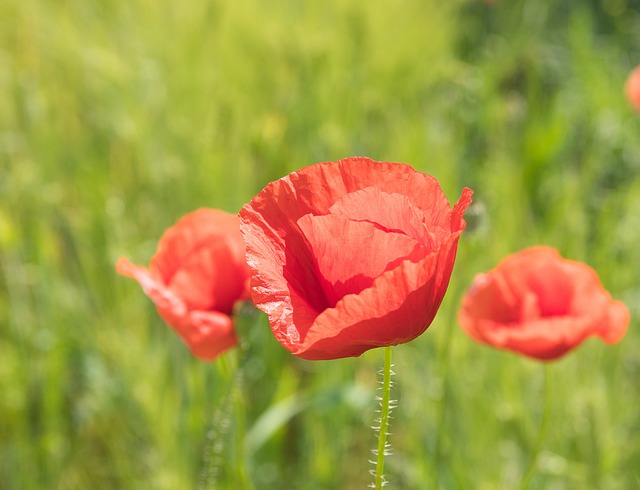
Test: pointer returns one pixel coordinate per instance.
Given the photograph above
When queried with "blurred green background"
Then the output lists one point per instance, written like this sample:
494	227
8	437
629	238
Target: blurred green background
118	117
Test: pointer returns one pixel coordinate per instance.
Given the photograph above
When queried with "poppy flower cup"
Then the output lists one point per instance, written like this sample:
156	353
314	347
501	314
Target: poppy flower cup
350	255
632	88
195	277
540	305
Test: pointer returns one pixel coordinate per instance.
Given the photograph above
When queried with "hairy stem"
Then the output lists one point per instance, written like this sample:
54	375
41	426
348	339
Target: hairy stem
217	434
385	410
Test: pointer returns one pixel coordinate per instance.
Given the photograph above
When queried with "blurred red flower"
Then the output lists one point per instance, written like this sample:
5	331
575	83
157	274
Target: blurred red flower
351	255
632	88
195	277
540	305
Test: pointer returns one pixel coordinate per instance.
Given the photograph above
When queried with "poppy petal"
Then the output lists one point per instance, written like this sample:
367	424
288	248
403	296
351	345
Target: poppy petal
349	255
393	212
399	306
313	309
208	334
615	325
560	303
208	278
632	88
165	300
195	277
457	223
545	338
181	247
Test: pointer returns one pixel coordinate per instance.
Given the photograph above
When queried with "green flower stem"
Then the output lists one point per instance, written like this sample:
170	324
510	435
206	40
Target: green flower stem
242	477
229	416
218	431
384	419
542	433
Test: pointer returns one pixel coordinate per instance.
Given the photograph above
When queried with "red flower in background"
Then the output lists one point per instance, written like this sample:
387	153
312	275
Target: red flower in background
540	305
632	89
350	255
195	278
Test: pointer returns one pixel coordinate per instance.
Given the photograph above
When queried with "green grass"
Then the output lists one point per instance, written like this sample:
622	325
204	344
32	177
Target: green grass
118	117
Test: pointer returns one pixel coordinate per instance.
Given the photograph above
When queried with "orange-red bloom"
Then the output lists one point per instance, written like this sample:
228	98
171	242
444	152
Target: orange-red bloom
540	305
632	89
195	277
350	255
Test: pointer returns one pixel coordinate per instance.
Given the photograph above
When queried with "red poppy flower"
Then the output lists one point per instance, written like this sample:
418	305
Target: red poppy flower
350	255
540	305
632	89
195	277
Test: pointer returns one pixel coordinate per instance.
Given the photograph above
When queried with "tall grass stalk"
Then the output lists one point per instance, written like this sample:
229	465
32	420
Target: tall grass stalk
542	431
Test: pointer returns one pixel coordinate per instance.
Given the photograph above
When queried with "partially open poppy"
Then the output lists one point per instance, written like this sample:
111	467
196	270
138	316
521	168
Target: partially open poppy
538	304
632	88
195	278
350	255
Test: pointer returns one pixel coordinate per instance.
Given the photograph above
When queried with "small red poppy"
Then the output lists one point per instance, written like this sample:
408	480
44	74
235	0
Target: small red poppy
632	89
195	278
350	255
538	304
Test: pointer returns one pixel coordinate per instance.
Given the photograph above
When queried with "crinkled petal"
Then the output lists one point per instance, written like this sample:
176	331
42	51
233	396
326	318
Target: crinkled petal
280	270
284	279
457	223
398	307
349	255
391	212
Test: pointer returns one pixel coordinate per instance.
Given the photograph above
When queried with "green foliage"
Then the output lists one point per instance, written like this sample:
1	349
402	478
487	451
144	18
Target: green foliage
118	117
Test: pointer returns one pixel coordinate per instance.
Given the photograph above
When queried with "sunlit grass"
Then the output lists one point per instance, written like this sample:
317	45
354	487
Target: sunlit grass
118	117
